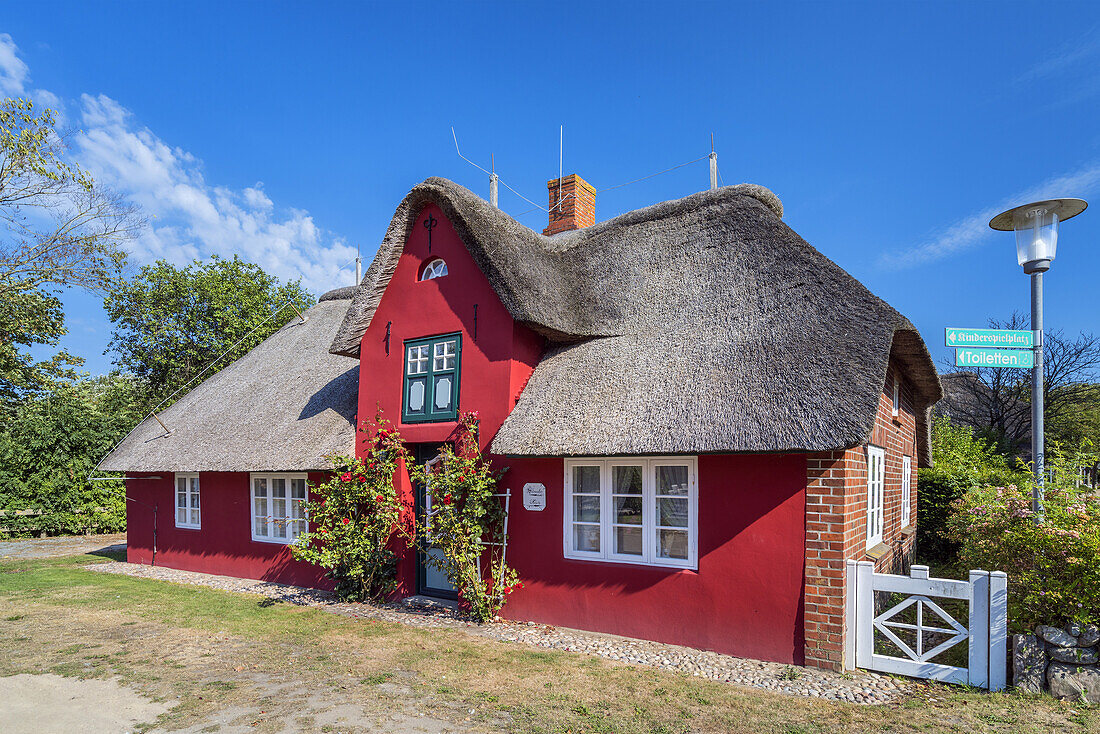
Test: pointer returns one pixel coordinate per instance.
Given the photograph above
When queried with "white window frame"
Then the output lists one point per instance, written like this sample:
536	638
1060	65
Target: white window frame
436	268
897	397
906	491
876	481
190	491
271	520
649	525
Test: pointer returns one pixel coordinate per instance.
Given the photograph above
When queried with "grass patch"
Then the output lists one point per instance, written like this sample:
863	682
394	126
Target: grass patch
211	649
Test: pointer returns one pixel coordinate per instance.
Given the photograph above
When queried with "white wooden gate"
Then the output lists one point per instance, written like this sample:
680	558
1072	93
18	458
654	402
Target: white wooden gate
986	629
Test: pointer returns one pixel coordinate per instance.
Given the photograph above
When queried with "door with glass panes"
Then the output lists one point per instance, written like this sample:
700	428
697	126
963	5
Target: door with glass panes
430	581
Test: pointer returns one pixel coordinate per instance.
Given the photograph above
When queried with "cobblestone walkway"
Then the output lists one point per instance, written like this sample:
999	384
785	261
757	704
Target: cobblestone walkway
859	687
66	545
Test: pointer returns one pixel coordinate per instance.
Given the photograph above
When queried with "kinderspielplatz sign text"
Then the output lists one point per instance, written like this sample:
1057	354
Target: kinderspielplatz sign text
1009	338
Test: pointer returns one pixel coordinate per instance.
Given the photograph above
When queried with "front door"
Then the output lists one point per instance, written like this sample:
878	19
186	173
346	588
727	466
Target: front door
430	581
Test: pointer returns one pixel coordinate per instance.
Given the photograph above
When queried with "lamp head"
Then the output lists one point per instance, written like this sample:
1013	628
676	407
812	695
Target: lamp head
1036	227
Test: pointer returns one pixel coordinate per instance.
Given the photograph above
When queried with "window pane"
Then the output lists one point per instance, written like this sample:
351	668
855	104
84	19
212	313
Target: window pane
298	489
586	509
278	488
672	480
626	480
181	515
628	541
443	392
259	487
672	512
628	510
181	499
417	389
444	356
586	480
672	544
181	484
586	537
194	517
195	500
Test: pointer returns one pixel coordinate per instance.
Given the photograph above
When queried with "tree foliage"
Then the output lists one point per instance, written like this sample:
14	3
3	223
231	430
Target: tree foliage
58	228
50	447
170	323
961	461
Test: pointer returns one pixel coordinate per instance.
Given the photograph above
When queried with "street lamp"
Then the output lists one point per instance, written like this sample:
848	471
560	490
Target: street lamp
1036	227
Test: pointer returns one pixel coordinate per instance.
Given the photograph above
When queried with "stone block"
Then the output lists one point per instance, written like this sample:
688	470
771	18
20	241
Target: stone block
1074	629
1072	682
1055	636
1029	663
1075	655
1090	635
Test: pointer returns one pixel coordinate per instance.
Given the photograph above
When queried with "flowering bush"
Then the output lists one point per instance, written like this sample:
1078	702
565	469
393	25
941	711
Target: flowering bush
1053	567
467	523
353	518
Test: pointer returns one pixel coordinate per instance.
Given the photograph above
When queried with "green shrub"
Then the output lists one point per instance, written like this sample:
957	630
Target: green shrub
961	461
1053	567
354	518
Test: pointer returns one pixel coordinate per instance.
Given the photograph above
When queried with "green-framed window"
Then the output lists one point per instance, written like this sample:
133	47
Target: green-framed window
431	379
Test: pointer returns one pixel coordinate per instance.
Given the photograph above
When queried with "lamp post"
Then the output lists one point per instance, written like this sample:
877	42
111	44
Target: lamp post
1036	227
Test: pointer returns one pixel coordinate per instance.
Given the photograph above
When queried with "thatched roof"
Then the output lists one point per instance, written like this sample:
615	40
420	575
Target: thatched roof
699	325
282	407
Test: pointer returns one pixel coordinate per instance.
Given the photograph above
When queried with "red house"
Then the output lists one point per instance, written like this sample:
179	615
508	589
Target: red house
702	416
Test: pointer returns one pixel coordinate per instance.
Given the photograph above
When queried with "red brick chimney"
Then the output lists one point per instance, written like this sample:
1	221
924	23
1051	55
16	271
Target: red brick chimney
578	204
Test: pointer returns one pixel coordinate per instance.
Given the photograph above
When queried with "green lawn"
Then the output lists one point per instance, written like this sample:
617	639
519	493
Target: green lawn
210	650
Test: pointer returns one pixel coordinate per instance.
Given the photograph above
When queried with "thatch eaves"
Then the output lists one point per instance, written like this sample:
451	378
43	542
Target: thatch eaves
698	325
284	406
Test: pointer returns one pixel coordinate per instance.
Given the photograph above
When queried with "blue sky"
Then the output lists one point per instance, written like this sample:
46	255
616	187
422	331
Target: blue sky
289	133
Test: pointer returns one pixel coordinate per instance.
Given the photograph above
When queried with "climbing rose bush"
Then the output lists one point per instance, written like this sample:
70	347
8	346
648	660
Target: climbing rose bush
1053	567
354	517
467	523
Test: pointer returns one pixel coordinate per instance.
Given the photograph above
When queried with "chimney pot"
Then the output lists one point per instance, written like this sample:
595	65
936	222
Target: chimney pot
578	204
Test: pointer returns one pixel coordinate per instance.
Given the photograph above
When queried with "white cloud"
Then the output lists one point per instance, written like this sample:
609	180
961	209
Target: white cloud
973	230
13	71
188	217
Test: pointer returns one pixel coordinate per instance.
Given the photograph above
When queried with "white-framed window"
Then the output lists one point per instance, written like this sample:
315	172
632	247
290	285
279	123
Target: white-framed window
876	479
906	491
277	512
632	510
188	513
435	269
897	396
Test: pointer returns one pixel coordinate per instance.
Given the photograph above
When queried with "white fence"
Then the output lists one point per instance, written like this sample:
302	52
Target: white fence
986	628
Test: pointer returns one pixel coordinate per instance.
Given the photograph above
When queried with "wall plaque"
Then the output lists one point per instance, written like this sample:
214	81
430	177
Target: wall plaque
534	497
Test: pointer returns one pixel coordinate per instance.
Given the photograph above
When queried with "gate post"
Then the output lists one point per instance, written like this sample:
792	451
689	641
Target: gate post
865	613
850	628
978	666
998	630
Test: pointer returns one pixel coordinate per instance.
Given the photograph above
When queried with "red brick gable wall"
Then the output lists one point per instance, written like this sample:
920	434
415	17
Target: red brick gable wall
836	520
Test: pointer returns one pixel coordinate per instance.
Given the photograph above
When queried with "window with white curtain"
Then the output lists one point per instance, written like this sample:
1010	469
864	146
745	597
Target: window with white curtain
278	515
876	479
188	512
906	491
632	510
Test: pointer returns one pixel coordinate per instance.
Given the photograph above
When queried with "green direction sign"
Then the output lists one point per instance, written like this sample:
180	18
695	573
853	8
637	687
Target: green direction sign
955	337
995	357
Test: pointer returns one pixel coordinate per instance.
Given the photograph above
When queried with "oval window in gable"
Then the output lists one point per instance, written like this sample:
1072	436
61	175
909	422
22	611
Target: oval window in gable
434	269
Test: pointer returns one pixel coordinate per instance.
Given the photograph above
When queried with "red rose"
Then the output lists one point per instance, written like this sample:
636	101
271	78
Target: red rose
361	478
447	499
346	521
378	498
345	477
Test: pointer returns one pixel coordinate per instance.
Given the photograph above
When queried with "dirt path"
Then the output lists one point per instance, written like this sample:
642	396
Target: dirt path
65	545
44	704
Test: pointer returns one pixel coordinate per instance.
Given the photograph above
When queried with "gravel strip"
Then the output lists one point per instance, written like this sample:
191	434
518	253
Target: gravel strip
858	687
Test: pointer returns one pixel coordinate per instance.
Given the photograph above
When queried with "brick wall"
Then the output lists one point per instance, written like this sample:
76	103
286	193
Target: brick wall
577	207
836	521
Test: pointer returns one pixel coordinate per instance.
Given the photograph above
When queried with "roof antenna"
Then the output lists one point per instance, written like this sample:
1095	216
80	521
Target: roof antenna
713	165
358	266
561	141
493	178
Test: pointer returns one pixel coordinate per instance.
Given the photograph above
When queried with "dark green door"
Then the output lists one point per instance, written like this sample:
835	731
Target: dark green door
429	580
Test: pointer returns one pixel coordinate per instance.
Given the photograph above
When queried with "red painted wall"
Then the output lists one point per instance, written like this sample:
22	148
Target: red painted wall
746	597
223	545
